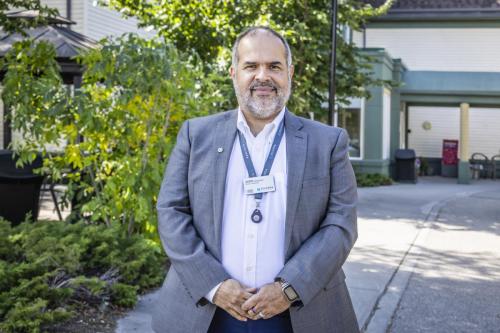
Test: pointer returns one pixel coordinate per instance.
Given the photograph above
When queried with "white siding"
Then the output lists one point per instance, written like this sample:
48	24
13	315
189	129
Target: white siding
441	49
76	11
445	124
60	5
386	123
77	15
100	22
357	38
484	130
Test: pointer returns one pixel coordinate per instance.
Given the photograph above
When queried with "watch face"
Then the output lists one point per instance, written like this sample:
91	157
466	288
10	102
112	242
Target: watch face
290	293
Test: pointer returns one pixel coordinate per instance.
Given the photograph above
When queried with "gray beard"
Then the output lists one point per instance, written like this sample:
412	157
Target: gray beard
262	107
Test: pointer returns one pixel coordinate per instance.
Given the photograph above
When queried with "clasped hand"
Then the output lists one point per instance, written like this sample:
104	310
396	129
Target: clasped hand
251	303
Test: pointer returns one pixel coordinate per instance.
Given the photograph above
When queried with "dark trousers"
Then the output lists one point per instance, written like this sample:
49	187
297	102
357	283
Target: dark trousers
223	322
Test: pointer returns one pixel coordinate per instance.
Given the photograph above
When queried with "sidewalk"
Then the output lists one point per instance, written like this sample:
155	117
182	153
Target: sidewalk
392	226
455	285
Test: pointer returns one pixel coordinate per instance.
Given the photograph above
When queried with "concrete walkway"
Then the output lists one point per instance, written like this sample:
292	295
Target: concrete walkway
394	223
455	285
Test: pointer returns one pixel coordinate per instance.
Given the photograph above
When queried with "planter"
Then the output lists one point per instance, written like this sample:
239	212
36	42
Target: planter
19	189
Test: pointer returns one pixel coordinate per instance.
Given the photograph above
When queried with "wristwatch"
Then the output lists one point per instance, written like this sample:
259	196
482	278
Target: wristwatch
289	292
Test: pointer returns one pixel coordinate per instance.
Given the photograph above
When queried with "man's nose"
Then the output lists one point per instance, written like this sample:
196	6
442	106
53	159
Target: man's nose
262	74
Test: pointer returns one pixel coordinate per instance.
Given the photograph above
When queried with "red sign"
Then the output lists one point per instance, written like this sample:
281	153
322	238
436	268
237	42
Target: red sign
450	152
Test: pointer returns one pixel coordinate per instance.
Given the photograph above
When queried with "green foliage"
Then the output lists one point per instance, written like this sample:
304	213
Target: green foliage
19	25
35	89
48	268
210	27
372	179
123	295
134	97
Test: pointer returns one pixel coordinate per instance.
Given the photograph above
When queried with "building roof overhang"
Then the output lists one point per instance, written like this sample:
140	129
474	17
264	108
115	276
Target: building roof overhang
426	15
68	43
434	87
438	10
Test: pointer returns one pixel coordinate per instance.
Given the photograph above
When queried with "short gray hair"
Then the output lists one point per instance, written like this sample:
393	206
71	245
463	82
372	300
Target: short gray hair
252	31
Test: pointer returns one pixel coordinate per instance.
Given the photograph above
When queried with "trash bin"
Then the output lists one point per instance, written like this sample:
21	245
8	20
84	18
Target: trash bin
405	165
19	189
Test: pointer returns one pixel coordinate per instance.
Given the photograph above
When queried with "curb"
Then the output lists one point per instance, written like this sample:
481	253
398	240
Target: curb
380	318
384	309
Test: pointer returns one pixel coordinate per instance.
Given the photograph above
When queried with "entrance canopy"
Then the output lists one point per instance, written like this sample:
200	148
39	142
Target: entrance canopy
451	88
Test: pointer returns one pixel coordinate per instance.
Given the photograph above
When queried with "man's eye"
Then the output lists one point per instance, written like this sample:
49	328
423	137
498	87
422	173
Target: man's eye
250	67
275	67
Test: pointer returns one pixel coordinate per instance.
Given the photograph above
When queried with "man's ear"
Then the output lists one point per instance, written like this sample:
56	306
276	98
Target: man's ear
231	72
292	70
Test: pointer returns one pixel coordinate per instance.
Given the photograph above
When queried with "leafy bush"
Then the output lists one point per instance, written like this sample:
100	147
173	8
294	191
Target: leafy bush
49	270
209	27
117	129
372	179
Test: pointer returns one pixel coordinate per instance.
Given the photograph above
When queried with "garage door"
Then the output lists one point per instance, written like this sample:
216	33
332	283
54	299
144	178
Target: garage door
430	125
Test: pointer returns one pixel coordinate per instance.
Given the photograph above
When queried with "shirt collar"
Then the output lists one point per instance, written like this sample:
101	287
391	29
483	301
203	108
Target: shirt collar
242	124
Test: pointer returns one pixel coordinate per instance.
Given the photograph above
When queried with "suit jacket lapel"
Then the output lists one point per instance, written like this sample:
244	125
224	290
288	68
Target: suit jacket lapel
296	149
225	133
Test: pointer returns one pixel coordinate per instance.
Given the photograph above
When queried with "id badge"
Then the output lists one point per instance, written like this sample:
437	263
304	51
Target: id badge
256	185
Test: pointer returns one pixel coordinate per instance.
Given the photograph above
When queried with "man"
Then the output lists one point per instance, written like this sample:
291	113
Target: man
257	211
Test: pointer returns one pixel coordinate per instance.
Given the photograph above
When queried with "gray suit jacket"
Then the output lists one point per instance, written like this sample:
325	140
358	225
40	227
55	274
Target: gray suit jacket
320	227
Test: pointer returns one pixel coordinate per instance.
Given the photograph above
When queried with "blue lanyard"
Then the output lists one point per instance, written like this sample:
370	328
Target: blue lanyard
270	157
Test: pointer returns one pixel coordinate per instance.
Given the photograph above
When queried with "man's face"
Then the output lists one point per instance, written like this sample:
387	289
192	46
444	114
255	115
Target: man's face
261	79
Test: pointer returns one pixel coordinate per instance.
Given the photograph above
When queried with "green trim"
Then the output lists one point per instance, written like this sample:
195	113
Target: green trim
433	24
456	83
464	174
399	67
381	62
452	93
451	88
372	162
371	166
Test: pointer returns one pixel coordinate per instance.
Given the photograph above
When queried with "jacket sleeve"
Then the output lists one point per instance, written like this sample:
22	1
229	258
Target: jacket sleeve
322	255
197	268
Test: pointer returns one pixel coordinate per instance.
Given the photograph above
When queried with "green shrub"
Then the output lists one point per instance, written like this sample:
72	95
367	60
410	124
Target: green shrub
372	179
123	294
135	94
49	270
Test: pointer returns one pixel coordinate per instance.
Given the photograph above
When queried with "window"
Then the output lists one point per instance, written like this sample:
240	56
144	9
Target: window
350	119
386	124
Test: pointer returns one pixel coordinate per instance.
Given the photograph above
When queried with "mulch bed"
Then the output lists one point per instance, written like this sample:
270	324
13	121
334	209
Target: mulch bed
90	320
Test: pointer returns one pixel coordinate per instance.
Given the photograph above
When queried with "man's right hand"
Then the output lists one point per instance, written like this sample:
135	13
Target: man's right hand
230	296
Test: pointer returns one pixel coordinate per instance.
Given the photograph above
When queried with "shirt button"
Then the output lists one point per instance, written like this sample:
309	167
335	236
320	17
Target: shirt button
251	236
249	268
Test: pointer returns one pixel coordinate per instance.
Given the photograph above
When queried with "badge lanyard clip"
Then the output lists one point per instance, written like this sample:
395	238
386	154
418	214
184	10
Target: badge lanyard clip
257	215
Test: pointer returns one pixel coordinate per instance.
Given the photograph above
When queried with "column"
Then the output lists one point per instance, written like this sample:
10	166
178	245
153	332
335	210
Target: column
463	164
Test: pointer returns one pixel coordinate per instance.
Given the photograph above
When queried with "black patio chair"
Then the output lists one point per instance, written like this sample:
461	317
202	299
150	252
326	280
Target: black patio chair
495	165
481	159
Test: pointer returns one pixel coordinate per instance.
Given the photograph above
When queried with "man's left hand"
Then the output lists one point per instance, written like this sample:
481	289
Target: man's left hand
267	302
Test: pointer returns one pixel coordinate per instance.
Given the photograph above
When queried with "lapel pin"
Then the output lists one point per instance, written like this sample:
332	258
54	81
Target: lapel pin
220	150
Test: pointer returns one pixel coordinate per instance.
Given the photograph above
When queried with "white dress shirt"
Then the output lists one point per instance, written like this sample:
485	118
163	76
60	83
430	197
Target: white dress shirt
253	253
